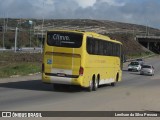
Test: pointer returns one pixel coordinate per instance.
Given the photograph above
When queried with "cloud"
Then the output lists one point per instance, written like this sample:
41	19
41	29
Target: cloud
85	3
131	11
144	12
49	2
113	2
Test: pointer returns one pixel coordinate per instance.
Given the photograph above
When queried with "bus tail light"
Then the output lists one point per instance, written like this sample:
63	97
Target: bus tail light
42	67
81	70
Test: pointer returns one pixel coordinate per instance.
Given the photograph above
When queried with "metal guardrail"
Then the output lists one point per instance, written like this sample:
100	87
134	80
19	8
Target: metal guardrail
129	60
151	37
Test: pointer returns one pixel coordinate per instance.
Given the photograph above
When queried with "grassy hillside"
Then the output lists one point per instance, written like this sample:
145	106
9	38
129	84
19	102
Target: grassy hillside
120	31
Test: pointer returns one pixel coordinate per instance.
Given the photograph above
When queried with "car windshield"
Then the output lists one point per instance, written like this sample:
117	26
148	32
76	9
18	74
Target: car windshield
134	63
146	66
139	60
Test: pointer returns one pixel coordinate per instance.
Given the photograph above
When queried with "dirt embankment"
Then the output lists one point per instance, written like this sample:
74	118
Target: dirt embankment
130	45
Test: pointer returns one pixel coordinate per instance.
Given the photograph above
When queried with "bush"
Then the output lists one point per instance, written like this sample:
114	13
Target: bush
8	45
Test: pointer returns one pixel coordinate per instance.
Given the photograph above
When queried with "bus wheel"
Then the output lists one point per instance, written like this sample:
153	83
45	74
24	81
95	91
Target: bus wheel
90	88
95	85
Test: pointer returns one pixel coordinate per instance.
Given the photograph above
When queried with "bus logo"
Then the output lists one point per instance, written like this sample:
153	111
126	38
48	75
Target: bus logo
6	114
49	61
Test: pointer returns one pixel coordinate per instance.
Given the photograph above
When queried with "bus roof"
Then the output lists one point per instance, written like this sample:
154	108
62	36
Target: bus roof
91	34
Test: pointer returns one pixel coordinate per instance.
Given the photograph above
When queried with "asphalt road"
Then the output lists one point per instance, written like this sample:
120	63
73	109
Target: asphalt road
135	93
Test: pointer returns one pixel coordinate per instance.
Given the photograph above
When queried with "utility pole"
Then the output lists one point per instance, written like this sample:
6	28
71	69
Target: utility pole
42	30
16	34
4	29
30	38
42	36
6	24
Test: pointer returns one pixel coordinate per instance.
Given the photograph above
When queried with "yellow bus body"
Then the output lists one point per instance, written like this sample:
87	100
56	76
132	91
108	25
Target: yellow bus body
62	65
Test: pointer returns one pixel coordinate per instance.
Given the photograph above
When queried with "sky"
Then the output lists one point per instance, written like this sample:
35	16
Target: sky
143	12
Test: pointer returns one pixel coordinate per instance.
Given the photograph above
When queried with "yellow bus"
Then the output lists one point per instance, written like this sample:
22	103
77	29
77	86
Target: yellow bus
85	59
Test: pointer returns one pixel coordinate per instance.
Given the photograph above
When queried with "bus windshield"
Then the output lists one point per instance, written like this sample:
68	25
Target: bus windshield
64	39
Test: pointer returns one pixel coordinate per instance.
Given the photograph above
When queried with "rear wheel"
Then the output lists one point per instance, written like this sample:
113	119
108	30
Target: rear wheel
90	88
93	84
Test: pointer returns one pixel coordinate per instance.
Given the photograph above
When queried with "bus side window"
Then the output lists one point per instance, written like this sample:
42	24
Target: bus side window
96	47
101	47
90	45
104	48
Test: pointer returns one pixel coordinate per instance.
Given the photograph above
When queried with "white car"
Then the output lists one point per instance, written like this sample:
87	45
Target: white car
134	66
141	61
147	70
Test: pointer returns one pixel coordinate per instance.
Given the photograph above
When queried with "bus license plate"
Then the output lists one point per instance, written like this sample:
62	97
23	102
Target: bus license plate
61	74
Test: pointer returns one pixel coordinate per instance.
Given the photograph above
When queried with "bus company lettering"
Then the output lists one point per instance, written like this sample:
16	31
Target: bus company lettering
100	61
97	61
60	37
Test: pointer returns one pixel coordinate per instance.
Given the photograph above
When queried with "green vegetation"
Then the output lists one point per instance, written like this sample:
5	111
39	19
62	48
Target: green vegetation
24	68
19	63
140	55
